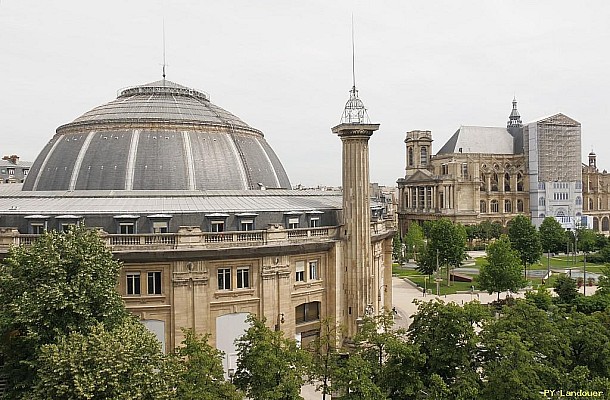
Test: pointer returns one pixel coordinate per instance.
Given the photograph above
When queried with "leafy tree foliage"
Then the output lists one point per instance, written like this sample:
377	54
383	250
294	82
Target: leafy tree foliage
525	239
325	356
446	242
502	270
445	334
565	287
552	235
63	283
197	371
269	366
541	298
397	253
122	363
414	241
587	240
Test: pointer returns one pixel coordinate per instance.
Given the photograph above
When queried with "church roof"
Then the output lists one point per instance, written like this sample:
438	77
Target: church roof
479	139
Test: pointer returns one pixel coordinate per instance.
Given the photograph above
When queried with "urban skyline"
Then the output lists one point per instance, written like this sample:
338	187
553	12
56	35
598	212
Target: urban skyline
286	69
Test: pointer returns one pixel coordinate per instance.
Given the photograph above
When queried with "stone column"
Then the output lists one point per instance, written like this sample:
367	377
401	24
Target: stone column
356	219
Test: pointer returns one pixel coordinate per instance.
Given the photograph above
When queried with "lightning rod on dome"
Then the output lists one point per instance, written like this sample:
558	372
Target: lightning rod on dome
164	64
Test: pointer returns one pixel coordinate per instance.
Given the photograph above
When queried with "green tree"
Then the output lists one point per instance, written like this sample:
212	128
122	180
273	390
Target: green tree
502	270
525	239
325	356
447	241
587	240
541	298
353	380
446	336
393	361
397	253
123	363
414	241
552	238
269	366
63	283
565	287
197	371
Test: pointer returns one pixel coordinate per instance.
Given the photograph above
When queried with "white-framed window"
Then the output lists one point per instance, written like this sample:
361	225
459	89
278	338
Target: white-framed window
243	277
247	224
314	222
38	228
217	226
25	171
154	282
224	278
464	170
508	206
65	226
160	227
127	228
293	223
300	271
541	201
133	283
313	270
11	171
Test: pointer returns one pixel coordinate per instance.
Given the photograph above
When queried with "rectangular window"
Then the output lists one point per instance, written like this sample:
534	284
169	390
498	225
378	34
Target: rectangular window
127	228
11	171
65	226
243	278
314	222
38	228
217	226
160	227
247	225
313	270
444	169
133	283
293	223
300	271
464	170
25	172
224	278
154	282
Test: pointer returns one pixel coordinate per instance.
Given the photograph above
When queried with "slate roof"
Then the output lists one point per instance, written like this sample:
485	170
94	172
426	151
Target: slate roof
479	139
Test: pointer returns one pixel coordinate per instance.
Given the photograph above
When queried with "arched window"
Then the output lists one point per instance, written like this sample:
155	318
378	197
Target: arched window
307	312
424	156
506	182
578	201
590	204
605	224
494	182
483	206
595	224
541	201
483	185
541	215
519	205
493	205
508	206
410	156
519	182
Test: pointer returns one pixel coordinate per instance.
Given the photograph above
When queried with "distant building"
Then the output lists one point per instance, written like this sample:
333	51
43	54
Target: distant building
596	195
12	170
494	173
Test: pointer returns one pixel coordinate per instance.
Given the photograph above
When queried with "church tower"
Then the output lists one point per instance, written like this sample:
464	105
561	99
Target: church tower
354	131
515	128
419	149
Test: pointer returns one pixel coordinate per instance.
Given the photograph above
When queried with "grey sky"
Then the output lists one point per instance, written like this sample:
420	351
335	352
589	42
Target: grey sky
284	67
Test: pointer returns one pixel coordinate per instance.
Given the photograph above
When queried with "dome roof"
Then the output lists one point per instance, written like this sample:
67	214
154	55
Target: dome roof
158	136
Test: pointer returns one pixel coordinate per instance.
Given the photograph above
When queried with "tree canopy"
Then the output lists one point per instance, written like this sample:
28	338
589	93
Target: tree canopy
525	239
552	235
503	270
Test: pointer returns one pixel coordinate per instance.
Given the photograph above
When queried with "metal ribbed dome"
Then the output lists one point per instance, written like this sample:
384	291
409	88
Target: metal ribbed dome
158	136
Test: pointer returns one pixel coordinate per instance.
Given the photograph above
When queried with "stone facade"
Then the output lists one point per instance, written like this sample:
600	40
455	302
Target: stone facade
596	195
487	173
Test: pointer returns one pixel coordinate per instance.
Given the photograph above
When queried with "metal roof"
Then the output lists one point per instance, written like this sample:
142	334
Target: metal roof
156	137
479	139
17	202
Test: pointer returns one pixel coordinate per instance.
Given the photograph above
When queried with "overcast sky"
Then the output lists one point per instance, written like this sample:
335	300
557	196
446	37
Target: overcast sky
284	67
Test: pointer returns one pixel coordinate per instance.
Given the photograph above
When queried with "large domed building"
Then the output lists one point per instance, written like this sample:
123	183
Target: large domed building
200	210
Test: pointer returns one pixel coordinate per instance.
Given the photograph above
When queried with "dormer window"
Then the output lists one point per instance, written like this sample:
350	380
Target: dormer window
159	223
126	224
246	221
216	222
